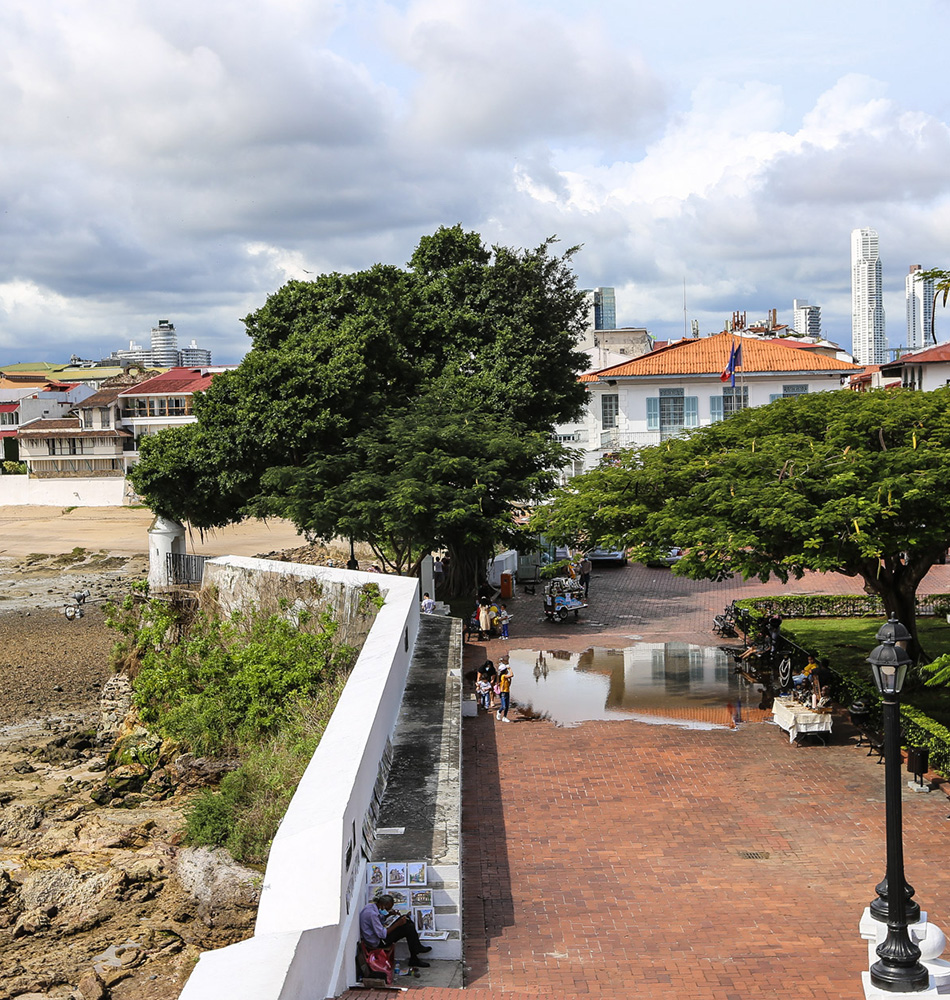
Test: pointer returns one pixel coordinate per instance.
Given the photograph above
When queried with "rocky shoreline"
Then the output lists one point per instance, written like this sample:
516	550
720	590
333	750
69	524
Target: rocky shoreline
98	898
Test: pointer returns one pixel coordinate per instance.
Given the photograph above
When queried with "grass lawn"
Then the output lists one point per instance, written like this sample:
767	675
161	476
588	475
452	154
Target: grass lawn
846	642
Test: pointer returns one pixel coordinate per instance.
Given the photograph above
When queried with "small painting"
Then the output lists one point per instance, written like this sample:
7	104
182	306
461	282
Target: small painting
396	873
400	896
377	874
421	897
424	917
417	873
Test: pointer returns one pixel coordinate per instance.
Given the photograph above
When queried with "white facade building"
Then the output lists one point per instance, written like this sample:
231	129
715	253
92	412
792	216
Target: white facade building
646	400
920	296
806	319
868	338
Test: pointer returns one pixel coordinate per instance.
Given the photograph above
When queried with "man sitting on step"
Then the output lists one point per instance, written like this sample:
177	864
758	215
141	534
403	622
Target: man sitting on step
379	929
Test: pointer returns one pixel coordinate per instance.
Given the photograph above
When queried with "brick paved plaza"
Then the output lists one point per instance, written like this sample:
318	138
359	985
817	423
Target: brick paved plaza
611	858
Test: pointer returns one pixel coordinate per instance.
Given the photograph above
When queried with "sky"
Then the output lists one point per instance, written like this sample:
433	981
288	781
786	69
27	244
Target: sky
181	161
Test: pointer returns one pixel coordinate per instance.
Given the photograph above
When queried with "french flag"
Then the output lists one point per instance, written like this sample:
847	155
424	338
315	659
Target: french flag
735	361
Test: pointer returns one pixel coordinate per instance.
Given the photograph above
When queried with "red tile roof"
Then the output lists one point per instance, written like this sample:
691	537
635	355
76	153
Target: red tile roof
710	355
939	352
178	380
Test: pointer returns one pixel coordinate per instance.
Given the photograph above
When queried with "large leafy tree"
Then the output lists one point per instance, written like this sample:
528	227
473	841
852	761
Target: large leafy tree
405	408
855	483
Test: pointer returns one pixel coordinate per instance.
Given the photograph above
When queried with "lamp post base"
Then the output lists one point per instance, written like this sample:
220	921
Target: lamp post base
872	992
931	941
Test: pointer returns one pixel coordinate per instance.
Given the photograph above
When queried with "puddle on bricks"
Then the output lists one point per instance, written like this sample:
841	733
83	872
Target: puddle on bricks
664	683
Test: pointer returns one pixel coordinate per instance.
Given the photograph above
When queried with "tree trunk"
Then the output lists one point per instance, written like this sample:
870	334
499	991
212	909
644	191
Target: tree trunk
464	573
897	588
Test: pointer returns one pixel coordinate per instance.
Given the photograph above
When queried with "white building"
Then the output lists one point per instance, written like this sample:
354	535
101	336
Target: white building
868	339
646	400
164	345
920	296
924	370
194	356
806	319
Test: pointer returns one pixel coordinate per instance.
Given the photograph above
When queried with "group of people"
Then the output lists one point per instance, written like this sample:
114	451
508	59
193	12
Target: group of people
491	683
489	617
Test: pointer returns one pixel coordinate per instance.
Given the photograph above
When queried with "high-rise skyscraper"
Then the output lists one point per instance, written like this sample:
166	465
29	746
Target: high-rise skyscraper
604	303
806	319
920	297
164	345
868	339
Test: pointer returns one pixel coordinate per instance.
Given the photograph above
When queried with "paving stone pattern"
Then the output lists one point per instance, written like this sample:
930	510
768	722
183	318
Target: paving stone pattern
612	858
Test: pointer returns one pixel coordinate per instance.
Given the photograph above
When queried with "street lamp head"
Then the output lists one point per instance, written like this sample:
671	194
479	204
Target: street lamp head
889	665
892	631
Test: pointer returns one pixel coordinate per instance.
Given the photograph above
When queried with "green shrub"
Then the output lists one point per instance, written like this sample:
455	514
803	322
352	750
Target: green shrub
14	468
216	684
244	813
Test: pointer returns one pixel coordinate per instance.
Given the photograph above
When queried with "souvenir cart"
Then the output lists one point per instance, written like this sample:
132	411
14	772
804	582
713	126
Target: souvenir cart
562	596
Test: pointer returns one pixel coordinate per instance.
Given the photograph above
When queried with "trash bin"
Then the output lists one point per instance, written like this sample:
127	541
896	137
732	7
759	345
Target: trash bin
918	760
507	586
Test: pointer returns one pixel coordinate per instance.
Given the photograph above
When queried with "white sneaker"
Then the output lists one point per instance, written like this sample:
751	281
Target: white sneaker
498	716
505	718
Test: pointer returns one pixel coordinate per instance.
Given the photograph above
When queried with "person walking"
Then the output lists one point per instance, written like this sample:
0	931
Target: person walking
437	570
585	570
505	677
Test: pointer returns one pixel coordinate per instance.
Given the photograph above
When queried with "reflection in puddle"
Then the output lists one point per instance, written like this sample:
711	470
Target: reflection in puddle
665	683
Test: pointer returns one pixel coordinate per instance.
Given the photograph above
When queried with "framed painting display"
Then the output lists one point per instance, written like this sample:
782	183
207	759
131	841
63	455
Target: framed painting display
400	897
396	873
424	918
417	873
421	897
376	874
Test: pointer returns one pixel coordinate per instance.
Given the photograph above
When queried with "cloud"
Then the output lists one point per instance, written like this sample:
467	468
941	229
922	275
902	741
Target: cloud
500	74
167	159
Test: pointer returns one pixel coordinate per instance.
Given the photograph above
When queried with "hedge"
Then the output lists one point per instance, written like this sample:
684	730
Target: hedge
921	731
837	606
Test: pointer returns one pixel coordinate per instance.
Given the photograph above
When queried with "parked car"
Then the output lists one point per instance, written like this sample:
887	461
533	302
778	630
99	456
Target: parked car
673	556
608	555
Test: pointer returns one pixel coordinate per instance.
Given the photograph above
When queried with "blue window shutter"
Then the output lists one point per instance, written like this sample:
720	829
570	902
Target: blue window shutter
715	408
653	413
691	411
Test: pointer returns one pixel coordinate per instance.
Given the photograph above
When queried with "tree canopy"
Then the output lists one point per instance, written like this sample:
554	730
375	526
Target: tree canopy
855	483
404	408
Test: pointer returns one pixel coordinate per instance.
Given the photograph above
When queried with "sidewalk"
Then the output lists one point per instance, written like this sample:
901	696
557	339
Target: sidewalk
620	859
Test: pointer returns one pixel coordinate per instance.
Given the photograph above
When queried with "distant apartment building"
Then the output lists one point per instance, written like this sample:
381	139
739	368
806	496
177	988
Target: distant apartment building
163	352
97	434
806	319
193	356
919	293
868	337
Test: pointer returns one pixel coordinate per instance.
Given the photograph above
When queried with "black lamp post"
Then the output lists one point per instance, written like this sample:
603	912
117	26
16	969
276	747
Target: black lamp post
898	969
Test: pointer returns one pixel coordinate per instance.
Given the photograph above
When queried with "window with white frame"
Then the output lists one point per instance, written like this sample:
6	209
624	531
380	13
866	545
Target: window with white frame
609	410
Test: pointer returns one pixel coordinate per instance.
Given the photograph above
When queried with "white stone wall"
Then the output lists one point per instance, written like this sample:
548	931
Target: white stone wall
306	934
107	491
